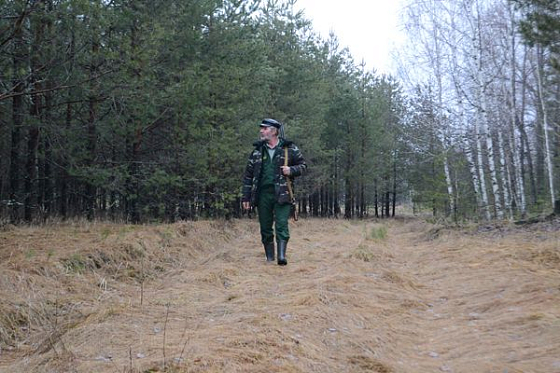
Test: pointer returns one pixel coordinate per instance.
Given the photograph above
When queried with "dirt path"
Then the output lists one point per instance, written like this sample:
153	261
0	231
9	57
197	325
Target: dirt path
381	297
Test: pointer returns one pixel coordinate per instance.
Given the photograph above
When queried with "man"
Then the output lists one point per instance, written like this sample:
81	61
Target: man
265	185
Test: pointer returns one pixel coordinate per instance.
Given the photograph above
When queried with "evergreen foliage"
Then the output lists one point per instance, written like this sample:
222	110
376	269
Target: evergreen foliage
146	110
541	24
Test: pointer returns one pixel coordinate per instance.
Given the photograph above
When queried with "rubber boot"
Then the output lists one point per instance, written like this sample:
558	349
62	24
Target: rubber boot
269	251
282	246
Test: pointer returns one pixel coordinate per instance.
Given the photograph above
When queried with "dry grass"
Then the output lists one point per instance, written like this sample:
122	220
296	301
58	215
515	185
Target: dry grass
384	296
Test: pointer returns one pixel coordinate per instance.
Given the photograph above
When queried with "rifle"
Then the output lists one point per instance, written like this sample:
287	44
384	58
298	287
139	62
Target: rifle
293	207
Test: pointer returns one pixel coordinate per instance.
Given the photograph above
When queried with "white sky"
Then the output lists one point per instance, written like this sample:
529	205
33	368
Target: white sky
369	28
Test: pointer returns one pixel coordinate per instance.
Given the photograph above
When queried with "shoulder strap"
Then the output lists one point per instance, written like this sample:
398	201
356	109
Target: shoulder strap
293	209
288	179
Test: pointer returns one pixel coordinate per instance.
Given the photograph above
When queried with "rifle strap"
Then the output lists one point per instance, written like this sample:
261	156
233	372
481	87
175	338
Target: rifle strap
293	209
288	179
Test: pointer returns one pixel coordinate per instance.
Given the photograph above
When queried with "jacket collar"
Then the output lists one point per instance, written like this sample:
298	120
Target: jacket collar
283	142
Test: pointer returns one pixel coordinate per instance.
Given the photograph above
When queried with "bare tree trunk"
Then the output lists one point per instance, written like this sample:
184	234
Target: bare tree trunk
376	198
31	164
468	151
518	169
387	198
504	176
19	56
64	176
91	135
394	186
47	192
30	188
90	190
525	148
510	179
542	99
459	97
519	119
493	174
442	132
480	110
515	178
349	199
481	176
337	210
473	170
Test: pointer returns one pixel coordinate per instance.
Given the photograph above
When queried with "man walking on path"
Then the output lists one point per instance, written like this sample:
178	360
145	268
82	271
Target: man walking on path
265	185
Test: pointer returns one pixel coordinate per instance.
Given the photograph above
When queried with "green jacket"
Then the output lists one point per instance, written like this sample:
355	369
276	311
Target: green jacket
252	173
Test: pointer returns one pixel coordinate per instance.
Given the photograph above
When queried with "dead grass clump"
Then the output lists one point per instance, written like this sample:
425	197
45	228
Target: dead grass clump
136	256
369	364
306	299
226	226
536	317
121	262
364	253
414	225
6	227
207	229
399	279
431	234
410	304
185	228
76	263
39	324
548	257
214	278
377	232
14	321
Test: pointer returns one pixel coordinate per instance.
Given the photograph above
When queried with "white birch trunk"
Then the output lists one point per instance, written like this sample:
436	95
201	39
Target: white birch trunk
521	178
480	120
548	158
492	163
481	176
468	150
472	169
518	175
450	191
482	101
456	71
512	111
477	52
442	132
505	175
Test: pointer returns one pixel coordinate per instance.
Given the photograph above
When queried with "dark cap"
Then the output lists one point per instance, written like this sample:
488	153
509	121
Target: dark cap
268	122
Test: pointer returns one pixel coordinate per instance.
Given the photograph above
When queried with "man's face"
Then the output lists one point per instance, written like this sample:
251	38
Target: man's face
267	133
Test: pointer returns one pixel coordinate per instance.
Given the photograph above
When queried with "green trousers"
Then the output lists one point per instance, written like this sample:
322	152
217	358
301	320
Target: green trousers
271	212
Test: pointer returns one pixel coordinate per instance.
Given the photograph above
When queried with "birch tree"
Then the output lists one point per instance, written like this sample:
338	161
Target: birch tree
547	141
425	21
540	28
477	41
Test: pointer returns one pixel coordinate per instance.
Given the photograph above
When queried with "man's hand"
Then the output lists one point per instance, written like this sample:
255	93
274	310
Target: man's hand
286	170
246	205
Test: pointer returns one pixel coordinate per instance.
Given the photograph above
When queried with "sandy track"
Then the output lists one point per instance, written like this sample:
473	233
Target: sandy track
417	300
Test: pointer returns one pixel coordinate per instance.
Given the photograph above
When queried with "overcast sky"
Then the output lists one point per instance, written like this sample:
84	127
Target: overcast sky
369	28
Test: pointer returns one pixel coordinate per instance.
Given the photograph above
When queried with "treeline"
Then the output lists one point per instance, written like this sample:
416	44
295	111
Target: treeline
145	110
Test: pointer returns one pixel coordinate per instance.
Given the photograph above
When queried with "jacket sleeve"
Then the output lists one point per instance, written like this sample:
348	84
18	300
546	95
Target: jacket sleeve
248	179
297	163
